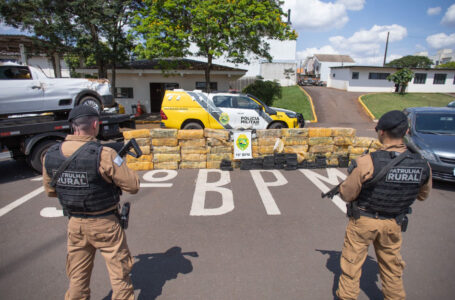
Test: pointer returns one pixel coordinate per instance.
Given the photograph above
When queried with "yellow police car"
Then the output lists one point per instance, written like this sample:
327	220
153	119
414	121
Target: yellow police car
196	110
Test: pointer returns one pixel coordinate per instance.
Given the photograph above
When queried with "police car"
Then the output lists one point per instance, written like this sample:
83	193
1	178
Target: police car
196	110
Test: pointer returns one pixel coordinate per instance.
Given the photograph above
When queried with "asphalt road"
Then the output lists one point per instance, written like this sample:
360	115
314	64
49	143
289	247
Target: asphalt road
208	235
338	108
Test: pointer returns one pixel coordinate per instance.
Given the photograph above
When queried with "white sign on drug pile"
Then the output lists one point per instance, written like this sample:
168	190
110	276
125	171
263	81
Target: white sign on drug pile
242	145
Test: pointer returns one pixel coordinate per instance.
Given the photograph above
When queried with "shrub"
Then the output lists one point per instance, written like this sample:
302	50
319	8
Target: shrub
266	91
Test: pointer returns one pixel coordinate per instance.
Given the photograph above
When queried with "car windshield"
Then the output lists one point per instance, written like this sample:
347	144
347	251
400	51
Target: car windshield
435	123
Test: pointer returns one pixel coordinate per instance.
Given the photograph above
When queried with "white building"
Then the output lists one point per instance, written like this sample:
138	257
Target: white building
374	79
143	81
283	58
319	65
443	56
24	50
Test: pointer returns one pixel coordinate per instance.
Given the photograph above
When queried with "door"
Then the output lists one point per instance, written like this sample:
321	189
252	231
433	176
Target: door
157	90
20	92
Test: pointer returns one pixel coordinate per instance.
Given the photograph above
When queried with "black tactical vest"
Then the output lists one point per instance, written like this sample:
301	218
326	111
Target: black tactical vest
80	188
398	189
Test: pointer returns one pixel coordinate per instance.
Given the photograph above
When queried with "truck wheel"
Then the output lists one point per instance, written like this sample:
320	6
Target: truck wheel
192	125
277	125
37	154
91	101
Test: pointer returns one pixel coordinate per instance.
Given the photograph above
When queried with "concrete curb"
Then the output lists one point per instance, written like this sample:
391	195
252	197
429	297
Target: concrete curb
365	108
312	105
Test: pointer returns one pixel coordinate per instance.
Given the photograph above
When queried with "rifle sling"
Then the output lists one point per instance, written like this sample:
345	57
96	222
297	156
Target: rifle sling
66	163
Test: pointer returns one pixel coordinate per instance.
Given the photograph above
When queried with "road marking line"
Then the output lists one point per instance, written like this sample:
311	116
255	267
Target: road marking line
332	179
20	201
37	178
266	196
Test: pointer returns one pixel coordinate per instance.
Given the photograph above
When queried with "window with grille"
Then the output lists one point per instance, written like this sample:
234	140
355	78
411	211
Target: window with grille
379	76
439	78
420	78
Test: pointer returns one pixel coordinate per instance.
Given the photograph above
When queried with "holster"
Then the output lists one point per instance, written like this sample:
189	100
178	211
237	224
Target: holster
352	210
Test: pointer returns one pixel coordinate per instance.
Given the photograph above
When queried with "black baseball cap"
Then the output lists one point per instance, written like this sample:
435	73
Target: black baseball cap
390	120
82	111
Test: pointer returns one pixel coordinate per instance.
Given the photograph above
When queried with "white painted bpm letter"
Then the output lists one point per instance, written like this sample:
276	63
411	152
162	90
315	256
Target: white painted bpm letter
267	199
332	178
150	177
202	187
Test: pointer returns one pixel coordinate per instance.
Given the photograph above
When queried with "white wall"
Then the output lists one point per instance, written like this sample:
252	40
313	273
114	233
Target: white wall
324	68
343	80
141	85
275	71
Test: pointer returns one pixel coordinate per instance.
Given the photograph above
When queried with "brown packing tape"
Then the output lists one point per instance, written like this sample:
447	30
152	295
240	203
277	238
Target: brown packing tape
267	141
320	141
213	164
294	132
333	161
268	133
219	134
292	141
346	132
171	142
367	142
192	143
319	132
143	158
265	149
134	134
141	141
296	149
140	166
219	156
193	165
166	149
321	148
171	165
194	150
194	157
343	140
166	157
217	142
190	134
221	149
163	133
145	149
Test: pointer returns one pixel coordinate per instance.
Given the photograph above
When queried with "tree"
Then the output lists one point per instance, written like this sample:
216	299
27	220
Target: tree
217	28
77	27
266	91
401	78
449	65
411	61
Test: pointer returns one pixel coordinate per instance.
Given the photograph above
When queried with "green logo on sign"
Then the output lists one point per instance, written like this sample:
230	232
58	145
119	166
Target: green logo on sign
224	118
242	142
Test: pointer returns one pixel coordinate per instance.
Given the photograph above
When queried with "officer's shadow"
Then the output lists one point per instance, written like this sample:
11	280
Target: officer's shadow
151	271
368	280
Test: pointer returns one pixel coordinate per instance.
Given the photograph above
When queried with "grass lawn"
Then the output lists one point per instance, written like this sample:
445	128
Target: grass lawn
294	99
379	104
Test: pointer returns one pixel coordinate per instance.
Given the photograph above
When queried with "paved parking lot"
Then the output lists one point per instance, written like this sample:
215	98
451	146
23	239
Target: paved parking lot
199	234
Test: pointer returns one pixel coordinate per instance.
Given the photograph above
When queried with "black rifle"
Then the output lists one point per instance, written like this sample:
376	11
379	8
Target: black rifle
124	149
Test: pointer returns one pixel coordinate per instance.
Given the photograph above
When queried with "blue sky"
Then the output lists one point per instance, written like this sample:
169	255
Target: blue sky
359	27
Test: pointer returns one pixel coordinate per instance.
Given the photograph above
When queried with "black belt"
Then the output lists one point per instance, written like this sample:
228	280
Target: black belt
376	215
86	216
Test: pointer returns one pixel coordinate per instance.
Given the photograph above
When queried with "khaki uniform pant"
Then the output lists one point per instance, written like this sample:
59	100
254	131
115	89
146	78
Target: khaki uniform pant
84	237
386	238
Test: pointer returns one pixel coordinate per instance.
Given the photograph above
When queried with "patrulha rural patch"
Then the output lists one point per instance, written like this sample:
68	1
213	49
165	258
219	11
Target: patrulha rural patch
404	175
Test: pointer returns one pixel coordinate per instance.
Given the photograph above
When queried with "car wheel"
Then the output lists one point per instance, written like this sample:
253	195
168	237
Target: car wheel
37	155
91	101
192	125
277	125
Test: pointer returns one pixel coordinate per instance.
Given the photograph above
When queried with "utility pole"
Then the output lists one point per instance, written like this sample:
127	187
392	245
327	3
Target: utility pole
386	45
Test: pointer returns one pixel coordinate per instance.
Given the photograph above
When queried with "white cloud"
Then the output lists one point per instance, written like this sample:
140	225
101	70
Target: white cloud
353	4
368	42
441	40
327	49
449	17
316	15
432	11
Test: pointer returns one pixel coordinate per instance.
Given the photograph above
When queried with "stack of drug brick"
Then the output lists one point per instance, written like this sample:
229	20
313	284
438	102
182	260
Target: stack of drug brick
145	162
361	144
192	149
166	149
265	143
295	140
218	147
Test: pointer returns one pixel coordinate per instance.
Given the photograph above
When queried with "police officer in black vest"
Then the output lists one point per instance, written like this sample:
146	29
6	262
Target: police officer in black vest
87	179
379	192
